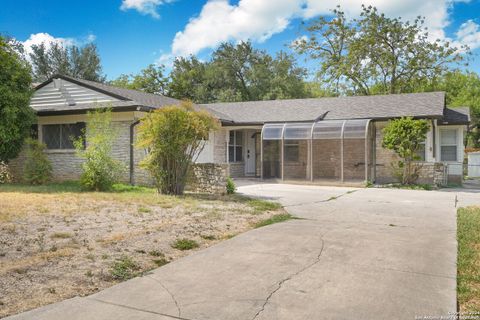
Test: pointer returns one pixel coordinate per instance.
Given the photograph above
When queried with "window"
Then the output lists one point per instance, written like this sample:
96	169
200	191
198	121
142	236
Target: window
448	145
235	146
421	152
60	136
291	150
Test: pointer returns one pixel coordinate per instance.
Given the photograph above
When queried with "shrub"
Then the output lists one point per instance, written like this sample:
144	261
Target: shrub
230	186
37	168
99	171
124	268
404	136
184	244
5	176
174	136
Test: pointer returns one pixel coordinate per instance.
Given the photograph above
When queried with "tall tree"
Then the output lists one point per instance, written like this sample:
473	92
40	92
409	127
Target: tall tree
16	117
79	62
238	73
375	54
151	80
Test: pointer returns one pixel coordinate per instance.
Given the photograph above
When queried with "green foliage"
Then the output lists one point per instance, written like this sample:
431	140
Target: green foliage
261	206
16	117
468	258
56	58
237	73
99	170
230	186
404	136
124	268
150	79
174	136
184	244
375	54
5	176
37	168
462	90
274	219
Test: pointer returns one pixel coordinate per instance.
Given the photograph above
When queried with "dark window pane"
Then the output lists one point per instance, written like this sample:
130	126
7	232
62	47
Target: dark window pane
238	154
232	138
448	153
239	138
231	154
51	136
70	132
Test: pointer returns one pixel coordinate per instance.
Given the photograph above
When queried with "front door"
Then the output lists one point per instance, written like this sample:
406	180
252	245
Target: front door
250	158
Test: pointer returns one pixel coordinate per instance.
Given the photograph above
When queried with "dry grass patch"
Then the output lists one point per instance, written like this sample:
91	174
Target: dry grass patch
468	264
57	242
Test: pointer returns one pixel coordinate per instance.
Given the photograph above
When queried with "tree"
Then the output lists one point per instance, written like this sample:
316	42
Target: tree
404	136
150	80
56	58
16	117
174	136
99	171
237	73
375	54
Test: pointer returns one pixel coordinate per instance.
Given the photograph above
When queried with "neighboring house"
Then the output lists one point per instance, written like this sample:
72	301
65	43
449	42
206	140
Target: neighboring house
311	140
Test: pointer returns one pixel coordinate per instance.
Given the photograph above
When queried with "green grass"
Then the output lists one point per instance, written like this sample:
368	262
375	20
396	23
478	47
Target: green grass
468	259
69	187
160	262
184	244
418	186
124	268
260	206
274	219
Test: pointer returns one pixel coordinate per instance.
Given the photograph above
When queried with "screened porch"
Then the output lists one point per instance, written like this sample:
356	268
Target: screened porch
329	150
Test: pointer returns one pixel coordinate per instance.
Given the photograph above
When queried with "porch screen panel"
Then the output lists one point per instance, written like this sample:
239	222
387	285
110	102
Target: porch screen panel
272	135
326	150
354	150
296	151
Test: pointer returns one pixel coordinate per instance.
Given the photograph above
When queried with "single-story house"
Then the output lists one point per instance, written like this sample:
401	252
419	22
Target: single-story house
320	140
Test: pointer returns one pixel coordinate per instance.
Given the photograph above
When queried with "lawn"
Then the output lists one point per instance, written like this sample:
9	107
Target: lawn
57	242
468	264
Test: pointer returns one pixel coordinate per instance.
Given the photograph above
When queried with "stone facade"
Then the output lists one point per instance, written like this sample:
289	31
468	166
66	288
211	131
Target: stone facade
208	178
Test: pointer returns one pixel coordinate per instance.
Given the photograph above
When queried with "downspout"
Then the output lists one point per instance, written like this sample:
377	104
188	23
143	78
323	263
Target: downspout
132	151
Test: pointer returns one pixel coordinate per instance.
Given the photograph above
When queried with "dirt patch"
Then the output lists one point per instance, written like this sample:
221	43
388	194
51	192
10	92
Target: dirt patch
57	246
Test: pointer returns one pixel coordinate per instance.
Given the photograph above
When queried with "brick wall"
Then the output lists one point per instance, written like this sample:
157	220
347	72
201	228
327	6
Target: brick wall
208	178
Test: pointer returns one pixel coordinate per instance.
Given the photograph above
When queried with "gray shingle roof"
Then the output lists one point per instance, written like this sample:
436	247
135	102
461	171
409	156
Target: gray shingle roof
459	115
359	107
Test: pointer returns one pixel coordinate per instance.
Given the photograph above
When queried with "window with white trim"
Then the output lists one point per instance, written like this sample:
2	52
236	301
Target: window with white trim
448	145
235	146
61	136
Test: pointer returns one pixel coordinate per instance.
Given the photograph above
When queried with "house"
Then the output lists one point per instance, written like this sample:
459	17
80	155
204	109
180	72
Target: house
321	140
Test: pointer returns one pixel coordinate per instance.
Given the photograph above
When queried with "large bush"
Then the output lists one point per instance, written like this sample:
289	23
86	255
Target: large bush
37	168
16	117
99	171
174	136
404	136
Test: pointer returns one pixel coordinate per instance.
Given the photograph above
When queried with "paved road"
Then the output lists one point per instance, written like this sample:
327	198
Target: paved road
355	254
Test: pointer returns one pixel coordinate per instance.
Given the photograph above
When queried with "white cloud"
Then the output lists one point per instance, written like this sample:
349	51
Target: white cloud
258	20
146	7
42	37
469	34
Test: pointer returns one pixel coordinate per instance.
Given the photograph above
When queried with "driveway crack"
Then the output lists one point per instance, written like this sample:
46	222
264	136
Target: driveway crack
321	201
290	277
170	293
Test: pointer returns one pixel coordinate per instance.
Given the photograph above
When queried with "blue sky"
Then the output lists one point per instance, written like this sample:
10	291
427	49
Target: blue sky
130	34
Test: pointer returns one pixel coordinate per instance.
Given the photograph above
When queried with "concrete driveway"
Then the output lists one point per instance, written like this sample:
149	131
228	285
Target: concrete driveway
355	254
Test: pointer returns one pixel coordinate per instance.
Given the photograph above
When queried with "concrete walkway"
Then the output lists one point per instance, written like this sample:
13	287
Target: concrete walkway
356	254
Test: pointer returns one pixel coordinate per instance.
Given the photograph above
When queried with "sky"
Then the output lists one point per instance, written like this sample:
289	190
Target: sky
131	34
